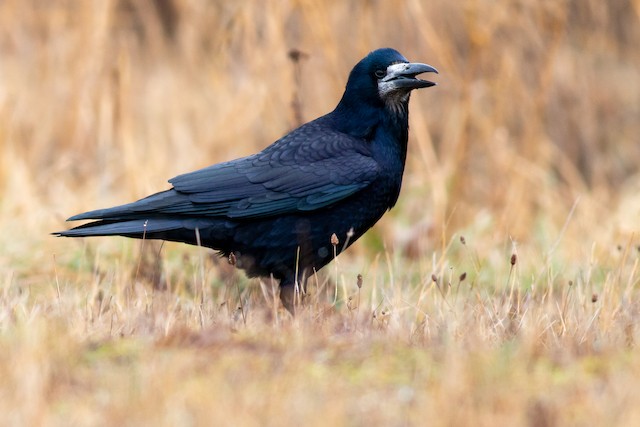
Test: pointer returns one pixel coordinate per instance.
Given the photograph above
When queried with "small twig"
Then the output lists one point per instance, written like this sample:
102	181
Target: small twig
233	261
144	238
334	243
359	284
593	318
296	283
296	56
202	289
55	272
511	281
244	318
434	279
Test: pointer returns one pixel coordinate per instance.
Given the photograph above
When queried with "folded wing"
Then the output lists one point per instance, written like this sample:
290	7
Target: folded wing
312	168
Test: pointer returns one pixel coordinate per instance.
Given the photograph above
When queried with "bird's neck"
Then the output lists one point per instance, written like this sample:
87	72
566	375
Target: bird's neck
364	121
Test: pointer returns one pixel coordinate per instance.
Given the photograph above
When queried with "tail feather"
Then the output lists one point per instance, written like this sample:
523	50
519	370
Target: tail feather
150	204
136	227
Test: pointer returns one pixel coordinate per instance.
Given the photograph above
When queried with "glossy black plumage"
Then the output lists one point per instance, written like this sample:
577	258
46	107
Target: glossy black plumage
276	210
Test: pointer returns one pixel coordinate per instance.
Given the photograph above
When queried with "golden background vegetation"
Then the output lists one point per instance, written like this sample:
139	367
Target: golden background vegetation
528	146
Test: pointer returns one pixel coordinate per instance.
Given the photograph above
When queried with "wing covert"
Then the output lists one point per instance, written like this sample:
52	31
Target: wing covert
311	168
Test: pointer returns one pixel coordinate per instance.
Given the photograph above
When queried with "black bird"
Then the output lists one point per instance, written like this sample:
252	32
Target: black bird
276	210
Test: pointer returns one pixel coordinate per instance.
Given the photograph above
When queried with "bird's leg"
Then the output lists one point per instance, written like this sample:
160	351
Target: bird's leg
291	293
287	295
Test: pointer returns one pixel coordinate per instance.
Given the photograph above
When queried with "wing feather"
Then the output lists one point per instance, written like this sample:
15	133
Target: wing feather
311	168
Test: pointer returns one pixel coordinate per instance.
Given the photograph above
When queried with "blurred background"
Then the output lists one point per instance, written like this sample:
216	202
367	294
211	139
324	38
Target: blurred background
532	133
528	146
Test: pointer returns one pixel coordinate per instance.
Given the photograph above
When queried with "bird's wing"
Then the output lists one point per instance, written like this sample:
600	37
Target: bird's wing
306	170
311	168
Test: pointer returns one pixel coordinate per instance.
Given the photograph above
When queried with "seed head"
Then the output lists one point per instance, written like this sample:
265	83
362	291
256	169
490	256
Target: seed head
232	259
334	239
463	276
514	259
359	282
296	55
463	240
594	298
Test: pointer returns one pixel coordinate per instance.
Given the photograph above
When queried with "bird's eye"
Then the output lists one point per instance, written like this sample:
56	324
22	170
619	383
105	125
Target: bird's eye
380	73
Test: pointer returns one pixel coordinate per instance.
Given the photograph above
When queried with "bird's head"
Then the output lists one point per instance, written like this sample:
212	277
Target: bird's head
385	76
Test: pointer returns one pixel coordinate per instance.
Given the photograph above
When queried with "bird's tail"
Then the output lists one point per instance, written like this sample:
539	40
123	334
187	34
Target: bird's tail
130	228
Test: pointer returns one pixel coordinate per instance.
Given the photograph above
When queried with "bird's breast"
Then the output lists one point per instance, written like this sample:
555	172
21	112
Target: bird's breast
389	149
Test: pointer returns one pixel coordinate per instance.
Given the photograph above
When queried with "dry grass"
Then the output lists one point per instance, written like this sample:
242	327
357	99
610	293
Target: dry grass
528	146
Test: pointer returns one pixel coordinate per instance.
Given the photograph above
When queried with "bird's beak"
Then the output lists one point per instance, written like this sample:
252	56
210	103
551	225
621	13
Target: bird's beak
403	75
